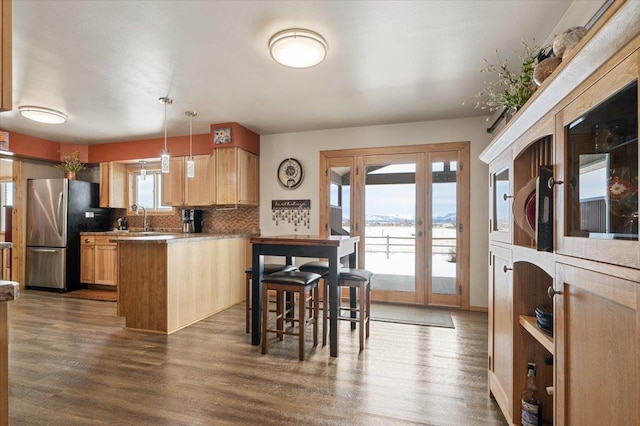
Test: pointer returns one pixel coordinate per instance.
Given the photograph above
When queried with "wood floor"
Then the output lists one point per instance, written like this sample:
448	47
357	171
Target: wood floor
71	363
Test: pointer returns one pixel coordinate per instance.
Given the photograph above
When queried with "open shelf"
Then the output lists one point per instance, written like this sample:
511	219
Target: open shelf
529	324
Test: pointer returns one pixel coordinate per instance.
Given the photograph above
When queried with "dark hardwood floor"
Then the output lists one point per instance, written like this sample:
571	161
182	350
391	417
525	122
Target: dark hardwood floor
71	363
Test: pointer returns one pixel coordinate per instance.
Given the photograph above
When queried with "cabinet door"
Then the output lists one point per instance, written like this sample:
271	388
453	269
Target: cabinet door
226	176
173	183
501	195
248	178
105	267
86	261
501	329
200	190
596	335
598	202
113	184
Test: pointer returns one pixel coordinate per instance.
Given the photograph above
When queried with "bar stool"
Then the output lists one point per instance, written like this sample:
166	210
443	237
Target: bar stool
355	279
306	285
269	268
321	268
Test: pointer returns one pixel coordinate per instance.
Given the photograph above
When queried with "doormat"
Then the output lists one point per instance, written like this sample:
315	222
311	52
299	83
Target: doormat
411	314
90	294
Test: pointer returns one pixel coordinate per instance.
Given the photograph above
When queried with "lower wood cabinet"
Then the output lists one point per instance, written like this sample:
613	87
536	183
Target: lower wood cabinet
501	329
597	333
98	260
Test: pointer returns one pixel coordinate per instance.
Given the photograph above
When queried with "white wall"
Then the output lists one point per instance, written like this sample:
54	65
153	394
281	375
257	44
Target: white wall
306	147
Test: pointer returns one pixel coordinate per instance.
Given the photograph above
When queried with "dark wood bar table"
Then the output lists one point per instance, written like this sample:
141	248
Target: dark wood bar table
333	248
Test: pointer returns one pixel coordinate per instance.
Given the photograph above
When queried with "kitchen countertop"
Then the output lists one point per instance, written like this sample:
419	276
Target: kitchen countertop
142	238
4	245
9	290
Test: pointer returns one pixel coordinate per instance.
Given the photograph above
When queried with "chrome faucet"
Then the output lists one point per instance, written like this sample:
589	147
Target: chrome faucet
135	208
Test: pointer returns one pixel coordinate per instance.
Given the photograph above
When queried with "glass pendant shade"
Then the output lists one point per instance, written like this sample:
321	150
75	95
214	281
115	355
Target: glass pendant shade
191	164
191	168
164	156
164	161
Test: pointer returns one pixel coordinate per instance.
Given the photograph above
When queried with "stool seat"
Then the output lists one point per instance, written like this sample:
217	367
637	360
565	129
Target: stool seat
321	268
292	278
270	268
351	274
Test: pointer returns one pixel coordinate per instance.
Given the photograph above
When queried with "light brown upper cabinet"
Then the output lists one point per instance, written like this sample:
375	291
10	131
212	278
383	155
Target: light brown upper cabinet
237	174
179	190
598	200
113	179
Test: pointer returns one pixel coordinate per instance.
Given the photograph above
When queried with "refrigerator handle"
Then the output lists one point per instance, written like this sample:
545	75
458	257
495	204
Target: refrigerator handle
60	221
41	250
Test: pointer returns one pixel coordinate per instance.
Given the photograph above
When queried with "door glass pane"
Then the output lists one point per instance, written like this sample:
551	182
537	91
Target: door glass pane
443	227
390	216
339	200
602	169
500	201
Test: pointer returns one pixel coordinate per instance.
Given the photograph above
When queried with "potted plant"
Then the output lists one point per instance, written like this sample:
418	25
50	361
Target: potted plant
511	89
71	165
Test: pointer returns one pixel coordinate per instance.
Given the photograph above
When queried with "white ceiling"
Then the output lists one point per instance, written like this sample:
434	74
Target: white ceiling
106	63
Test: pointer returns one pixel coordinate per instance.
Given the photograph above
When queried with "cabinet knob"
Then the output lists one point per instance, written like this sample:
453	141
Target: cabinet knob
505	268
551	182
552	292
506	197
86	240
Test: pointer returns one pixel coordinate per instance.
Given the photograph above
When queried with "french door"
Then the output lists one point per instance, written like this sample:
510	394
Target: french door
409	206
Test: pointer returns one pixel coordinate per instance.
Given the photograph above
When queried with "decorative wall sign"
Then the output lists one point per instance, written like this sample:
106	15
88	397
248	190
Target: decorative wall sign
4	141
222	135
295	212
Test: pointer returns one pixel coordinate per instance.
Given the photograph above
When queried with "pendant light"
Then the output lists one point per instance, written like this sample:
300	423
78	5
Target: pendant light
164	155
191	165
143	171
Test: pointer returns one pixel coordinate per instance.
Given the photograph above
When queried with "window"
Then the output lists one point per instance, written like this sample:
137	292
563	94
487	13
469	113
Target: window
147	191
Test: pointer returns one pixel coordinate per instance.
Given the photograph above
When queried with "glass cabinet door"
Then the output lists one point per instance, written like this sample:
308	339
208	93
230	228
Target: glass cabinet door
602	169
501	190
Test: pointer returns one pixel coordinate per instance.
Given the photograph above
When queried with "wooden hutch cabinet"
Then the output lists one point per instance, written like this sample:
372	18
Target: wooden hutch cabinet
563	235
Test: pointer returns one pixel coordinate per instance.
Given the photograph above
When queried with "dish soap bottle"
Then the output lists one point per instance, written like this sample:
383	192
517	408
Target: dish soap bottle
530	403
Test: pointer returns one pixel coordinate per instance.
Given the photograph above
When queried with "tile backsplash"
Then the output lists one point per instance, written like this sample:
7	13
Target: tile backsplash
244	219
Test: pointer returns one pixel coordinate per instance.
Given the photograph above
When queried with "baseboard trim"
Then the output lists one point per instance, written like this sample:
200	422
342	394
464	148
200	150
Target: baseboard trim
479	309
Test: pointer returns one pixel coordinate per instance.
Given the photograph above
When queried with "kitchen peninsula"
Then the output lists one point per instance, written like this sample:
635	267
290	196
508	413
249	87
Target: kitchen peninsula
168	282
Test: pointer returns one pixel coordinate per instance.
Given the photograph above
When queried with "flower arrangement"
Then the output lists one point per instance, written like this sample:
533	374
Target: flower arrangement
510	90
623	194
71	163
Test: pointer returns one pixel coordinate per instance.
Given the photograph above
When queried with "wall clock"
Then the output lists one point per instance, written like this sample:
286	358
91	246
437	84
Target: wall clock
290	173
222	135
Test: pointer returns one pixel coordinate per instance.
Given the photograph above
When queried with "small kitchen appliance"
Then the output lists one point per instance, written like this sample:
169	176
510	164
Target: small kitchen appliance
191	220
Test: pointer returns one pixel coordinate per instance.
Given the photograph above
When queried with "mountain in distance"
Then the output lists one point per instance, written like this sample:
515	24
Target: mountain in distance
376	219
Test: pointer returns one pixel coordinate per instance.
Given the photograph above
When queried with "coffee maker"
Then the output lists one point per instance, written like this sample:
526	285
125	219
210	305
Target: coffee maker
191	220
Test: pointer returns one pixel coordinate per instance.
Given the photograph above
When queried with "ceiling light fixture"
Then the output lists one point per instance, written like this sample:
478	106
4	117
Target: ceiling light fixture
164	155
42	115
143	171
298	48
191	165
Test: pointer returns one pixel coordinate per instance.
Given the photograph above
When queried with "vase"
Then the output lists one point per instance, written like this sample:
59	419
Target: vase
70	175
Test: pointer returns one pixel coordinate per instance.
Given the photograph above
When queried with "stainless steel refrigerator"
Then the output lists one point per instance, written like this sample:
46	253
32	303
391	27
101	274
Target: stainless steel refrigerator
57	211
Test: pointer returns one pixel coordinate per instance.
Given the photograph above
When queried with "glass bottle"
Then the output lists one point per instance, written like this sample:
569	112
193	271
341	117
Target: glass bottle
530	414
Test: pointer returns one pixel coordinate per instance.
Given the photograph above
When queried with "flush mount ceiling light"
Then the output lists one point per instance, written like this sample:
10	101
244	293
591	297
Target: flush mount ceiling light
42	115
298	48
